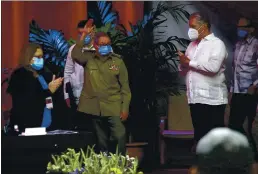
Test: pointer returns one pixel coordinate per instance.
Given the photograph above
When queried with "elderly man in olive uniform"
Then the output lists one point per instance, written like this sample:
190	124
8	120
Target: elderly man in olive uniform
106	93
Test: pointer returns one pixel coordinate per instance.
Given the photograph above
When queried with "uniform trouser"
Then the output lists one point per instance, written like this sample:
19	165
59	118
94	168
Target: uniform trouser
84	122
205	118
242	106
110	133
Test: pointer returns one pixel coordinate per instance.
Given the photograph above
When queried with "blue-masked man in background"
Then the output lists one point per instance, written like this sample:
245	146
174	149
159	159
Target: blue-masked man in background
243	91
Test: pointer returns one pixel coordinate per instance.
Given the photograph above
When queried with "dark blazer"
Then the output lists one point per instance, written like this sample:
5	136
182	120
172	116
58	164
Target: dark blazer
28	98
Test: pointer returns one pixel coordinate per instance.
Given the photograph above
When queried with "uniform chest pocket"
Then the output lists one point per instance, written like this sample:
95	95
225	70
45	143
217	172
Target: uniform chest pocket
92	68
112	69
111	74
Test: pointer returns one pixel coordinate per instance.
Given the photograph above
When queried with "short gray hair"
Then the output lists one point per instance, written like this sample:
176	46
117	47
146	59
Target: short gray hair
224	151
202	17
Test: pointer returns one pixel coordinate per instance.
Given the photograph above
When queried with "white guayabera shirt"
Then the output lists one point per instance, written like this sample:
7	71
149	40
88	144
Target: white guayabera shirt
205	79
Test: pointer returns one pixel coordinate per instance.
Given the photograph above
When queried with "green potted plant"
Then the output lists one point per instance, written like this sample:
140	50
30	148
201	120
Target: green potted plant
89	162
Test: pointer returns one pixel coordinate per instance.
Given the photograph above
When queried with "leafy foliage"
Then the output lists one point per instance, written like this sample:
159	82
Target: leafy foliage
152	63
54	45
106	21
105	15
91	163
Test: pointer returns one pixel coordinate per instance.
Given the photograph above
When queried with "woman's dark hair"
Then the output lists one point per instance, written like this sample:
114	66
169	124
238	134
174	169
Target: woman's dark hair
202	17
27	53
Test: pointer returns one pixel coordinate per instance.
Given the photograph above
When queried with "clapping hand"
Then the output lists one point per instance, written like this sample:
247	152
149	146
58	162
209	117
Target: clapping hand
55	84
184	61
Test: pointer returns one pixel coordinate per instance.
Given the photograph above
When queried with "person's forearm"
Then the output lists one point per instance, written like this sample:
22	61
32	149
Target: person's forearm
211	67
68	71
217	57
78	55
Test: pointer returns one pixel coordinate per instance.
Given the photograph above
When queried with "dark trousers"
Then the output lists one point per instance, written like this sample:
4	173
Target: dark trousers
205	118
242	106
110	133
84	122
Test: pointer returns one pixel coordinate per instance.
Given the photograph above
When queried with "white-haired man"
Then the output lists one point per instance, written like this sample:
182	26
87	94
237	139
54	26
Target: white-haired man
224	151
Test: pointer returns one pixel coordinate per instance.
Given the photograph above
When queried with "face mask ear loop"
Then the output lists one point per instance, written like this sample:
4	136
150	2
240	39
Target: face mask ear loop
199	33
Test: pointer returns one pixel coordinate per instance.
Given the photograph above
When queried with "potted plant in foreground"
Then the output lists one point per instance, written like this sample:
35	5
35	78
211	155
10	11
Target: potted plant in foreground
72	162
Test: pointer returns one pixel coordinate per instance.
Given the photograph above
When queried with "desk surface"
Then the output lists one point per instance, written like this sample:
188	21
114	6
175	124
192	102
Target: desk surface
48	141
30	154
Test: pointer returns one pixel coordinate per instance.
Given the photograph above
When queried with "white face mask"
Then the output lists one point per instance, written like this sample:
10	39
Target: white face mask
193	34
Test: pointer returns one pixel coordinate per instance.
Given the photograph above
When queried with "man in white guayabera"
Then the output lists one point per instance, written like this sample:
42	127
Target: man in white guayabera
204	64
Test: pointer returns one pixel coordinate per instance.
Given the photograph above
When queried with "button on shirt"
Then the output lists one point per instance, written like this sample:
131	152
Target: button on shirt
245	65
205	78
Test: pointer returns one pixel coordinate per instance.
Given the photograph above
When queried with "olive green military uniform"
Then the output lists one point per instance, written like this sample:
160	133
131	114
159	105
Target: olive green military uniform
105	93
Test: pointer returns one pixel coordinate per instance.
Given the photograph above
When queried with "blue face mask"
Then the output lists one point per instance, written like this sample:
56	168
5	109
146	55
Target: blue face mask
38	63
242	33
105	50
87	40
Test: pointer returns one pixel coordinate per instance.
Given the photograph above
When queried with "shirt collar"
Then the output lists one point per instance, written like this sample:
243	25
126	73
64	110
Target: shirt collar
246	41
103	58
250	39
209	37
87	48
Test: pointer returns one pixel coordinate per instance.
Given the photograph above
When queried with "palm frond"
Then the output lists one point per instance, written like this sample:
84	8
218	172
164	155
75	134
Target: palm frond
54	45
179	13
105	14
148	50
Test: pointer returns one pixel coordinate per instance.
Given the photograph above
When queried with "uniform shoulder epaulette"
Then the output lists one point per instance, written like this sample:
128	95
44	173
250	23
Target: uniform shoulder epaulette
116	55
